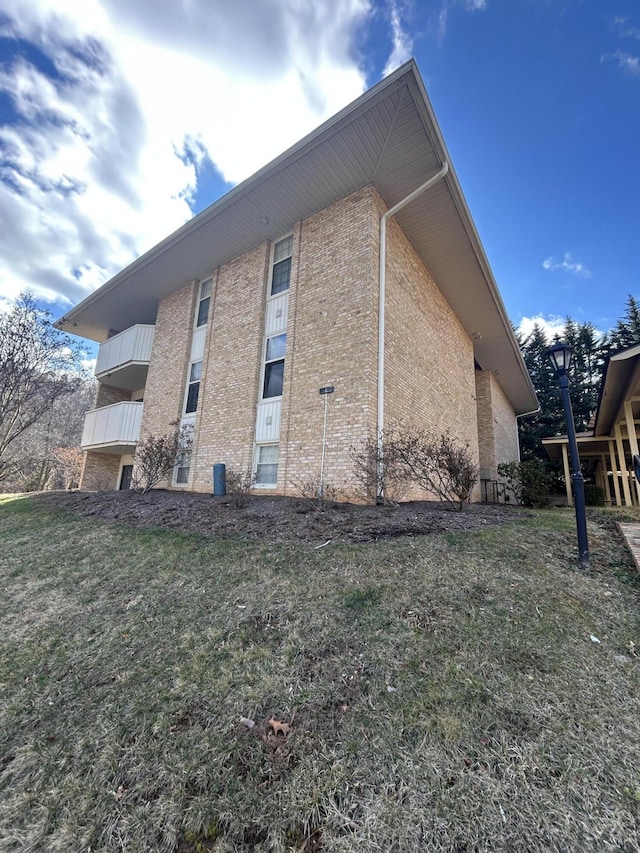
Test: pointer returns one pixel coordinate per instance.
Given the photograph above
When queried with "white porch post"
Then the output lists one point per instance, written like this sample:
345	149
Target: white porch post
614	471
623	466
633	441
604	478
567	474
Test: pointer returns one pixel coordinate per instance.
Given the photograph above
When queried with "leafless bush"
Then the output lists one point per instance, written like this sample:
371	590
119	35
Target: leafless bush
67	466
157	456
239	485
379	469
321	494
440	465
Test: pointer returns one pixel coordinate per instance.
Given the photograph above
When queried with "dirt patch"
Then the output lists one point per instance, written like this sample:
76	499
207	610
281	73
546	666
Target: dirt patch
274	518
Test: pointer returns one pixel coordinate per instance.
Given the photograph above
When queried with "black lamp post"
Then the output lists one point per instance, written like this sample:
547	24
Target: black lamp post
560	357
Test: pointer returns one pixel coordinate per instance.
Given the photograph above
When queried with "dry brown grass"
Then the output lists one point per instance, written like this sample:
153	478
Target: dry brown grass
445	693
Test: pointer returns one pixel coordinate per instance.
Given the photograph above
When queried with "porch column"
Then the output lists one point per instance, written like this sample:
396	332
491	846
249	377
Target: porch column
623	466
567	473
604	478
633	441
614	471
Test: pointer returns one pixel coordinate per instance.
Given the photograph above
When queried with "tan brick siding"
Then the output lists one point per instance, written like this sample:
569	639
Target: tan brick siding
225	424
165	387
430	380
487	458
429	373
107	396
331	340
100	472
505	426
497	428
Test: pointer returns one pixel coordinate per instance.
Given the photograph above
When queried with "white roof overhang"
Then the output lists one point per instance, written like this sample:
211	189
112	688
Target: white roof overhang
388	137
621	384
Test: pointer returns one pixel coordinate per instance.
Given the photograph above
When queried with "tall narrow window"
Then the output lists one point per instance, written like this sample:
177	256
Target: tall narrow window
205	302
193	391
274	366
267	465
281	270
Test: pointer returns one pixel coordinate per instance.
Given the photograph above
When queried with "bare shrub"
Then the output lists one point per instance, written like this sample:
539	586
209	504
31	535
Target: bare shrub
239	485
68	466
157	456
321	494
379	469
440	465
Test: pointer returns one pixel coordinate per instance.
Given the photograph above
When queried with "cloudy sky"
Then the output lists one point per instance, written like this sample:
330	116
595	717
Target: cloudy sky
120	119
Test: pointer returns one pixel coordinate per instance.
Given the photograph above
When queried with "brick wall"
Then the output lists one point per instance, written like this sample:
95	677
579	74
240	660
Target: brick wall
497	428
100	472
107	396
166	378
429	374
331	340
225	423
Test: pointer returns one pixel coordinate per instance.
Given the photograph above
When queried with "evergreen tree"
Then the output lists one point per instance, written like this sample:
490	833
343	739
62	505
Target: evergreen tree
585	376
626	332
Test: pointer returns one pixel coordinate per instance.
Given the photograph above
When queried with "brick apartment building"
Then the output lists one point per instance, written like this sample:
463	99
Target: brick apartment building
350	261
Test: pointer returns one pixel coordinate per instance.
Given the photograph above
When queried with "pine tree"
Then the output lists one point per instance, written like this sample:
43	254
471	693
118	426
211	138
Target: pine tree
626	332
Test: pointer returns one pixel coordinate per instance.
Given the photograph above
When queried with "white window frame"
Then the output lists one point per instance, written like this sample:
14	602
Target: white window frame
272	264
272	361
191	382
201	299
256	462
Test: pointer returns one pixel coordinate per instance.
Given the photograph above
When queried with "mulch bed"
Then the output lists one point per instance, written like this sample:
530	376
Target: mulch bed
276	519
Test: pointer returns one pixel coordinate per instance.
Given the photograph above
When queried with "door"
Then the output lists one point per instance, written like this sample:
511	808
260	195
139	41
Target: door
125	477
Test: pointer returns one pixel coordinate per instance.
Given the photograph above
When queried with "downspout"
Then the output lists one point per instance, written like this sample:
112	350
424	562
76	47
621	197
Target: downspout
381	306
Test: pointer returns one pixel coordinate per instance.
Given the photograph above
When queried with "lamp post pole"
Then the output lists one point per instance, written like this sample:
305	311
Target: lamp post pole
560	356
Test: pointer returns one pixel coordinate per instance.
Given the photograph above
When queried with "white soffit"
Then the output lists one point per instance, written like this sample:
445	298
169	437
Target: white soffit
389	137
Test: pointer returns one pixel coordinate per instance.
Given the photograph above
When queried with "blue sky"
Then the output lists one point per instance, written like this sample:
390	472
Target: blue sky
119	119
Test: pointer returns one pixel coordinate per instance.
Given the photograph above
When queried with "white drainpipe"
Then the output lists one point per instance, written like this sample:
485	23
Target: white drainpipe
381	298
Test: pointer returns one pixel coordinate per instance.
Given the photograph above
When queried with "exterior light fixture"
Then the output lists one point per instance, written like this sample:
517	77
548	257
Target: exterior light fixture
560	358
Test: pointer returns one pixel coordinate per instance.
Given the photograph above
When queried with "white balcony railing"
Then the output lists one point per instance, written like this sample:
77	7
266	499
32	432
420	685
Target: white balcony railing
114	428
125	357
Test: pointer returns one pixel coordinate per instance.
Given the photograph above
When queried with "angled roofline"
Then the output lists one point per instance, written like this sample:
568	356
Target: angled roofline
220	214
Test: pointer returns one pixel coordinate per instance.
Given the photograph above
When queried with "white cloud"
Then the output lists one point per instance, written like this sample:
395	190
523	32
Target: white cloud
402	41
552	325
628	63
100	162
567	264
447	5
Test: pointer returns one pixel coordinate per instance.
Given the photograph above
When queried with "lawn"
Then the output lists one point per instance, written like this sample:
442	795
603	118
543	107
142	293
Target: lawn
464	691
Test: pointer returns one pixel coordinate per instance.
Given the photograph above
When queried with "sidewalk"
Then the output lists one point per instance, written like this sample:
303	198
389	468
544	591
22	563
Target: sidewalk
631	533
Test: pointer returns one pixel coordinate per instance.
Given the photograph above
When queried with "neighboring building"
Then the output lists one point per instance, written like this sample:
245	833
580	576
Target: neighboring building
606	451
235	321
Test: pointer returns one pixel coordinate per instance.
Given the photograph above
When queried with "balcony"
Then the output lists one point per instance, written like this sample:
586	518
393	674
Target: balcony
123	359
112	429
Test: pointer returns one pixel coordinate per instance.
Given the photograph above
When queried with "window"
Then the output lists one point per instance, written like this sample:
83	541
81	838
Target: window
205	301
274	366
267	465
193	390
281	269
182	475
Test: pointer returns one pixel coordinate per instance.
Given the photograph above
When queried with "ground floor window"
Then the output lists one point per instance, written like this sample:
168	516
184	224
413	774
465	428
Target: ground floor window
267	464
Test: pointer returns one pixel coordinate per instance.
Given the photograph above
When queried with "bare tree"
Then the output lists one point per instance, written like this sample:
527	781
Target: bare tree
39	366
